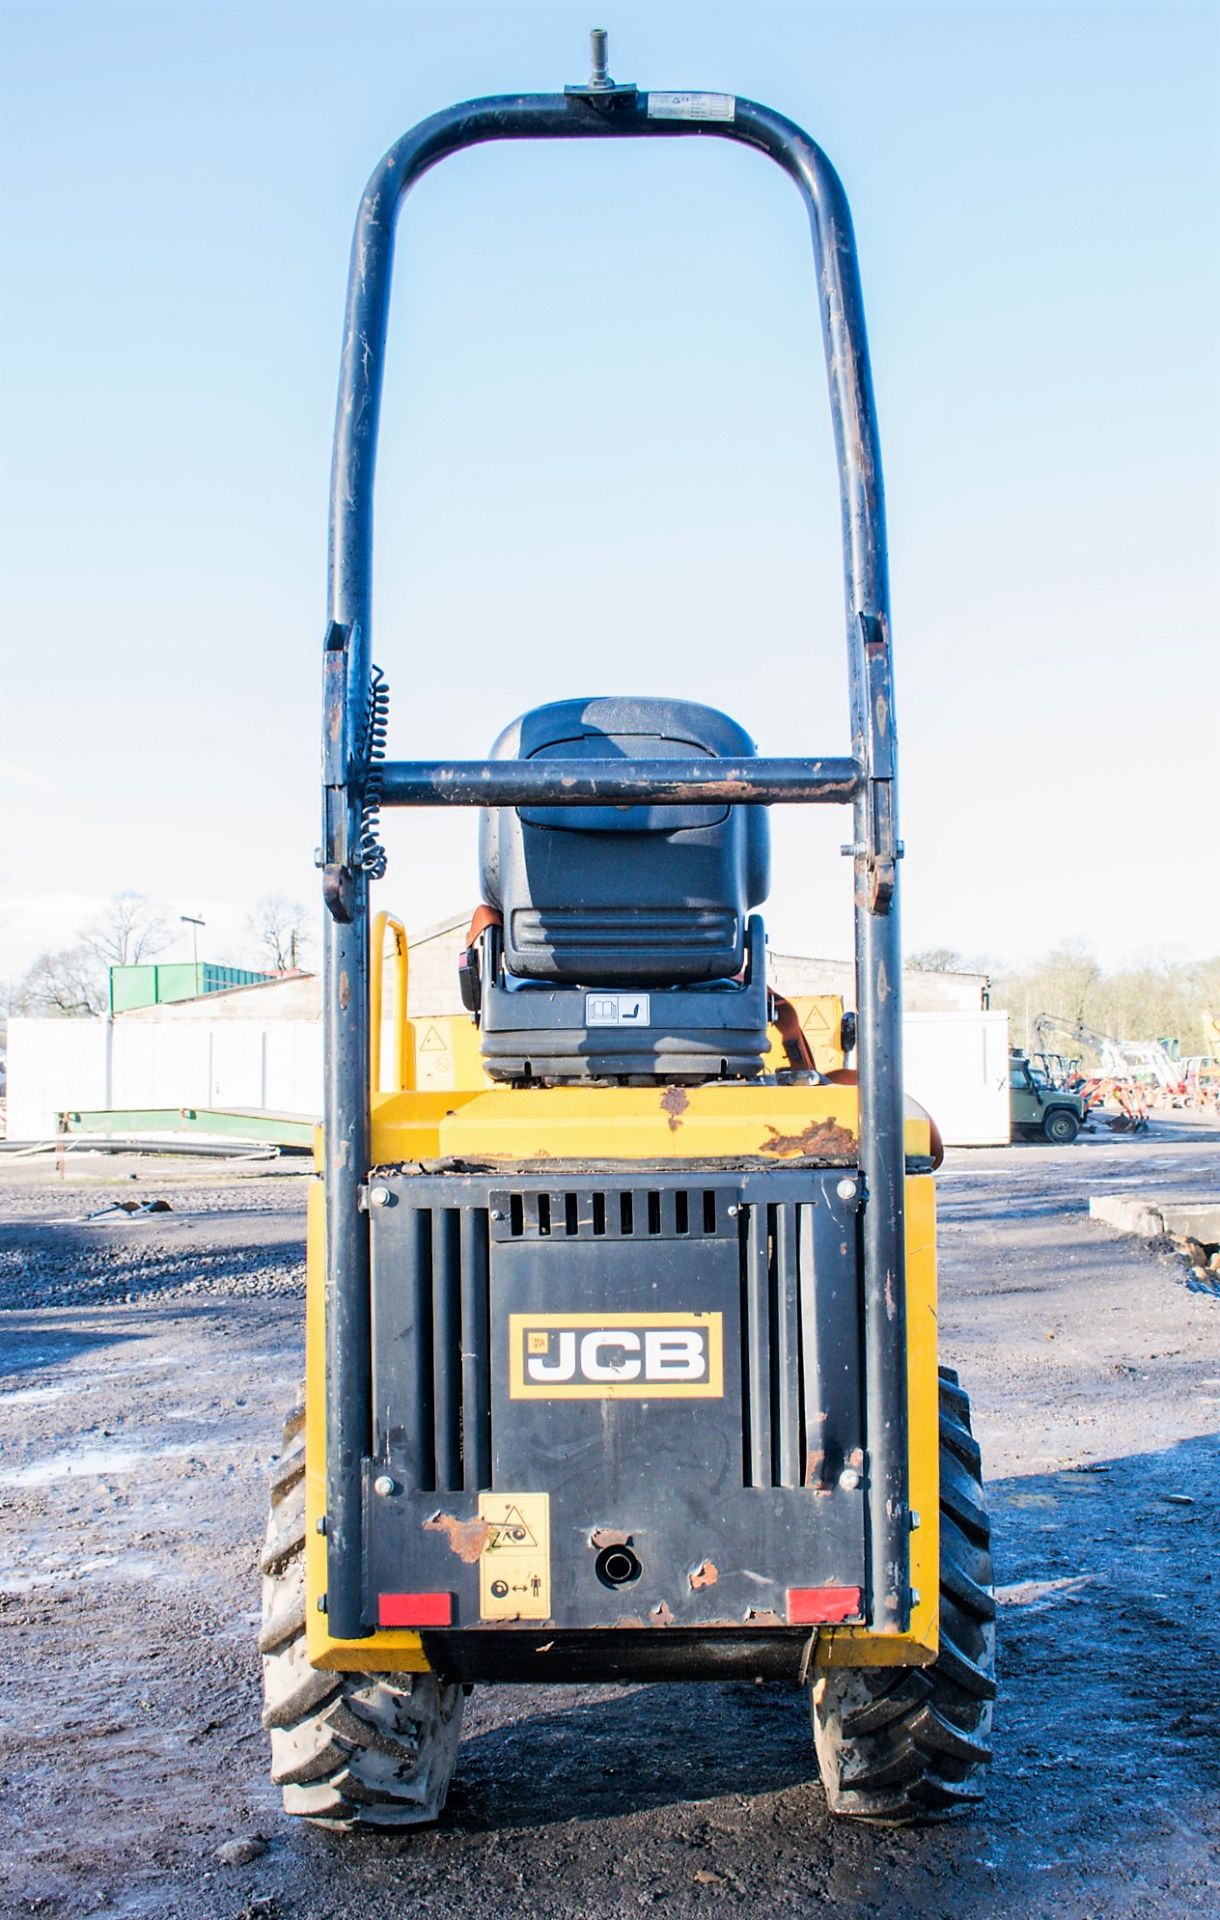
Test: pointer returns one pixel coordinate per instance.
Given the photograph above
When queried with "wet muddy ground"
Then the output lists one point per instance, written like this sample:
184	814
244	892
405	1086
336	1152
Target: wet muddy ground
143	1369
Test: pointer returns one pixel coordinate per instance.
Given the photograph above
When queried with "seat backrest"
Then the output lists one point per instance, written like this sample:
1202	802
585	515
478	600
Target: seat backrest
624	896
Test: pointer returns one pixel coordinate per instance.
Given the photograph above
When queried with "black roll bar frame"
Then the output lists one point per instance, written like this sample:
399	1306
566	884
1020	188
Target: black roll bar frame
604	110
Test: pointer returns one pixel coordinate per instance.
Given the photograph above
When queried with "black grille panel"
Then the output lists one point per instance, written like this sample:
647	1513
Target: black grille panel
800	1390
432	1319
614	1213
793	1353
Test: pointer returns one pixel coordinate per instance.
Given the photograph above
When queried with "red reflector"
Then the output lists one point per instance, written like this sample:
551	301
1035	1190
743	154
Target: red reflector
415	1610
823	1606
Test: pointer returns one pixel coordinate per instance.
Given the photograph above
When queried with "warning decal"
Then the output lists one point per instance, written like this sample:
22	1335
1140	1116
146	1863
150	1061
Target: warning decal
435	1061
515	1565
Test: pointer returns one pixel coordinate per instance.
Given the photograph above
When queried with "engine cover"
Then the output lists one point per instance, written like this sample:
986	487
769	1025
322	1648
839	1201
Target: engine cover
610	1402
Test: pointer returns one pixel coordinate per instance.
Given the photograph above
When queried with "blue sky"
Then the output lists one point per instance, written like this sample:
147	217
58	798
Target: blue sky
606	458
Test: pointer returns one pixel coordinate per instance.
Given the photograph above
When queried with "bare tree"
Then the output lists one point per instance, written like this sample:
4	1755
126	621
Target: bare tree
936	960
129	929
1146	1001
279	931
1076	975
70	982
74	980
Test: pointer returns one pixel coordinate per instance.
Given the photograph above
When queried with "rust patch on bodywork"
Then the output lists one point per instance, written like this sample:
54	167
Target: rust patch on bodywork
763	1617
821	1140
609	1537
467	1538
674	1102
661	1615
705	1575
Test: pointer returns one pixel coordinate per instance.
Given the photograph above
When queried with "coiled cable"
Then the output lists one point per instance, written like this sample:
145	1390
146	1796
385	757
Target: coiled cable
372	855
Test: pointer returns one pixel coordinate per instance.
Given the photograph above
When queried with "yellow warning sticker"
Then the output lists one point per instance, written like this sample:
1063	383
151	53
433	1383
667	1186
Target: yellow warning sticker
515	1565
435	1061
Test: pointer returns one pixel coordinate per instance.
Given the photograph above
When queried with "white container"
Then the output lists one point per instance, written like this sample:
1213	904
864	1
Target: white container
956	1065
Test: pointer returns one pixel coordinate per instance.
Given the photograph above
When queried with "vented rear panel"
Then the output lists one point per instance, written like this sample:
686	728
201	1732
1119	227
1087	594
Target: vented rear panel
618	1212
795	1344
431	1349
801	1388
724	1481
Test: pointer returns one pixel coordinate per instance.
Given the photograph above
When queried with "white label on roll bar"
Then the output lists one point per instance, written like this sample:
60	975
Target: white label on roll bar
692	106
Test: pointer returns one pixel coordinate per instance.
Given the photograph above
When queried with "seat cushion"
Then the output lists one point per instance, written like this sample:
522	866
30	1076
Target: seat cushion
628	896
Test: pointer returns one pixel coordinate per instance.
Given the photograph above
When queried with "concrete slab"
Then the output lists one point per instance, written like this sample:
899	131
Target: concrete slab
1153	1219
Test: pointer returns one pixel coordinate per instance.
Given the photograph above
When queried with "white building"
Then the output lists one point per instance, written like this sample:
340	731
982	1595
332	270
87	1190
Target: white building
260	1046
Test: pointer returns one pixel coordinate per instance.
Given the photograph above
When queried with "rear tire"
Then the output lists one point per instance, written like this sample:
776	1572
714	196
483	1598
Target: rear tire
347	1749
905	1744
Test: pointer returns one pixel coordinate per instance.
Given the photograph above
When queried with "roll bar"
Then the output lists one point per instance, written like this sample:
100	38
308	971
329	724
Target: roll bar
357	780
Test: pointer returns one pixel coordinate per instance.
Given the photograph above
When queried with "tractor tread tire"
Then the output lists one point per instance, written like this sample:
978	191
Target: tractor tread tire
299	1689
960	1496
287	1475
957	1439
284	1606
902	1745
285	1540
969	1676
893	1702
973	1596
348	1750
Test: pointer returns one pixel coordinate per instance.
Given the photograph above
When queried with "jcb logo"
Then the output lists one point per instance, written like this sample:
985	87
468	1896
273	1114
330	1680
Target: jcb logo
616	1356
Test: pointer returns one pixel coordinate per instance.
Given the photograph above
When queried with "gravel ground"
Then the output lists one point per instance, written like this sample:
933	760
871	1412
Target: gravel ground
143	1368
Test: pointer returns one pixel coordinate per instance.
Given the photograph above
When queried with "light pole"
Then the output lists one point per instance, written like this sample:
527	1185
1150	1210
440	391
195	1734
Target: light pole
194	923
